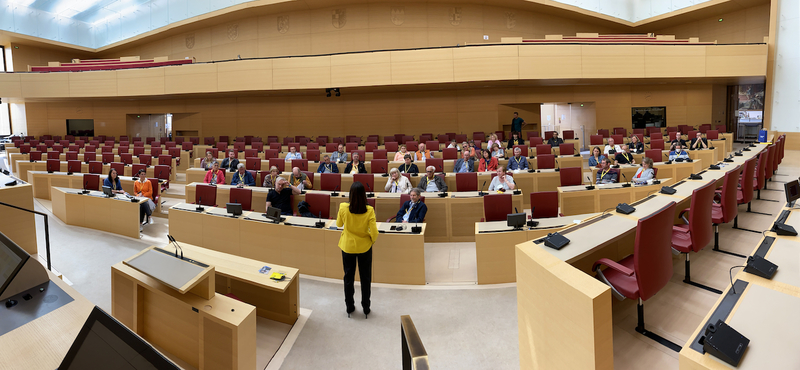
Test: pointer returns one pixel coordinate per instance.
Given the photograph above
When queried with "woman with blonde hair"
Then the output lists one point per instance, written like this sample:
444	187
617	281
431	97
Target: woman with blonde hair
397	183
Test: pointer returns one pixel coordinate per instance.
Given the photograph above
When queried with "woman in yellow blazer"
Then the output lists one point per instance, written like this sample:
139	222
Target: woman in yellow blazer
359	234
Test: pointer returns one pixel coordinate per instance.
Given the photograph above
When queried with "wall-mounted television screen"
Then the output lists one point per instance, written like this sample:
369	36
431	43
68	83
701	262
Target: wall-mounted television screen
644	117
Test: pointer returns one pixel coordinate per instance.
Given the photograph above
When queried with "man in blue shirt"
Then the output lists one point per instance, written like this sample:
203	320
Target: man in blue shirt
242	178
465	163
326	166
412	210
517	123
517	162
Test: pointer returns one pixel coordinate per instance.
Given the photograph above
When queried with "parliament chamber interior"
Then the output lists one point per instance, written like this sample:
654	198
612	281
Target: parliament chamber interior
492	185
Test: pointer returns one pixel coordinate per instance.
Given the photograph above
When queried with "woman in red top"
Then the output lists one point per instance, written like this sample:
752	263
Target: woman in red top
487	162
215	175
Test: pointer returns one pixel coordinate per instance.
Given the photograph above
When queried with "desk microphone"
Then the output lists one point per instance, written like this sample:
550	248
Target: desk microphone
200	205
669	161
577	153
319	223
334	193
370	194
385	174
558	168
85	187
175	243
628	184
481	193
590	186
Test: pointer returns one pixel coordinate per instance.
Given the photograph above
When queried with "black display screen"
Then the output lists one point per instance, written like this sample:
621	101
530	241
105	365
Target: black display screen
12	257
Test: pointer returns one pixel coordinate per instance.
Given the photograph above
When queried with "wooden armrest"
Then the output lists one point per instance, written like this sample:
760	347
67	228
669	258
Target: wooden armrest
612	265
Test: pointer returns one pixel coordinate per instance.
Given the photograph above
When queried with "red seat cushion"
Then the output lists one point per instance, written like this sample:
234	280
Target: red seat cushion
681	238
716	214
624	284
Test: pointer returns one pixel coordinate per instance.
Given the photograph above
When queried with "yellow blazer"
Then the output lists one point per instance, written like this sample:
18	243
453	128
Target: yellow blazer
360	231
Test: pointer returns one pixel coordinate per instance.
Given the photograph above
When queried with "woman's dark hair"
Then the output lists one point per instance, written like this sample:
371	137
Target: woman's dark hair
358	198
485	152
110	171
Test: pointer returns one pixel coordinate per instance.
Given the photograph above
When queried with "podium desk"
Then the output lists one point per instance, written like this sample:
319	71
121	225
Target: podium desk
215	333
449	219
116	215
676	170
400	256
43	343
17	225
495	241
576	199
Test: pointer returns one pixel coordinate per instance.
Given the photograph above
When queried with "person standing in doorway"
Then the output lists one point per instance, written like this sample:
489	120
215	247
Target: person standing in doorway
517	123
359	234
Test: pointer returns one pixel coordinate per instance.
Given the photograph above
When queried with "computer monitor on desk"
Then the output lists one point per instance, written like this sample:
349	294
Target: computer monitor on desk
274	214
107	191
792	189
516	220
104	343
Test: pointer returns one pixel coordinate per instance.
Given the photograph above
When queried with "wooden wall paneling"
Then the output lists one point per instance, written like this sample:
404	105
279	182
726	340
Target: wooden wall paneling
138	82
301	73
10	84
218	115
550	61
342	40
736	60
36	85
93	84
187	122
190	79
234	31
110	118
674	61
669	95
36	117
244	49
607	61
244	75
373	69
422	66
486	63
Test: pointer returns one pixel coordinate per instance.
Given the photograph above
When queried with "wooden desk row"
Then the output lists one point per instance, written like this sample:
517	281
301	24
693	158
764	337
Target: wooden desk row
450	219
95	211
26	167
765	311
564	313
397	257
575	200
676	170
18	157
17	225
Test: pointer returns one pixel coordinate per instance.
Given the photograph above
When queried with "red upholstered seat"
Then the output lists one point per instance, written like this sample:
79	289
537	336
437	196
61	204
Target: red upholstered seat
243	196
626	284
496	207
544	204
467	181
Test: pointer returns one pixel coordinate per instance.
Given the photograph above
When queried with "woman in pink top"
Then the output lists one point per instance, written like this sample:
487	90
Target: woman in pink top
398	157
215	175
493	140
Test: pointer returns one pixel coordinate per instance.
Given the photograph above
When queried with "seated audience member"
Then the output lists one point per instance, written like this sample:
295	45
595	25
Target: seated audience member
408	167
518	162
493	140
431	182
605	175
422	154
678	139
326	166
143	188
677	152
636	146
412	210
502	182
466	147
269	180
515	140
645	172
555	141
398	157
215	175
242	177
487	163
355	166
699	142
464	164
453	145
293	154
299	179
231	162
596	157
339	155
624	156
206	162
112	181
611	148
397	183
281	196
497	152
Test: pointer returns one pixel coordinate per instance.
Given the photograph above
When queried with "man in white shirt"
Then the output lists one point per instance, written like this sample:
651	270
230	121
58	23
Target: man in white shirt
610	147
339	155
502	182
293	154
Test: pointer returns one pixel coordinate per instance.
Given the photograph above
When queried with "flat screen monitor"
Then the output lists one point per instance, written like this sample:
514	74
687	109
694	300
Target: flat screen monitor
107	191
792	189
12	258
274	214
234	208
516	220
104	343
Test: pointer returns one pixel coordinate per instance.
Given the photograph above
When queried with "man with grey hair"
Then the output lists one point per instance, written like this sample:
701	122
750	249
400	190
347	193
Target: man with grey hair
431	182
281	196
517	162
242	177
299	179
412	210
